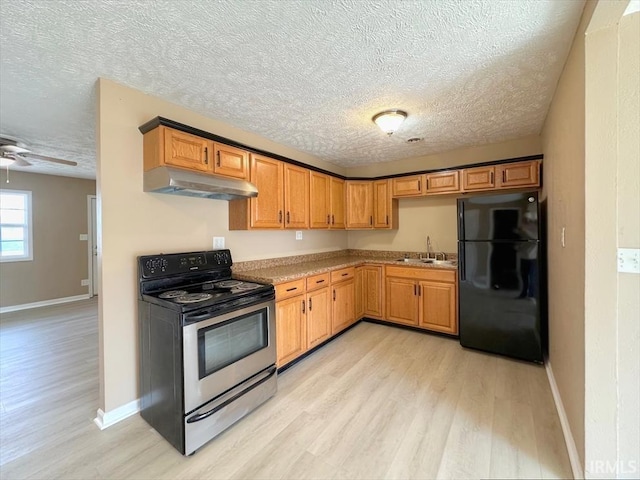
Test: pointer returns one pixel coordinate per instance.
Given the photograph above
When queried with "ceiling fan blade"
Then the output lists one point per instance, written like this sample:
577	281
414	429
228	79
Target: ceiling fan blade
50	159
21	162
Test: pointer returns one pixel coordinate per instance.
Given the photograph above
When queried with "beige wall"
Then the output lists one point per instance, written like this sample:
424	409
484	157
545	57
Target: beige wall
612	363
563	141
60	258
135	223
418	217
519	147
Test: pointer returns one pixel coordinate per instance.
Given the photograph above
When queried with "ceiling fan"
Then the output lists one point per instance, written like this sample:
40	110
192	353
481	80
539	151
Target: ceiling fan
14	152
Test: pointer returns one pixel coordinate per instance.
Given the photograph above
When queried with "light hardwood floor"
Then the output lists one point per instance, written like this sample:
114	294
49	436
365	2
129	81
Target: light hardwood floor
378	402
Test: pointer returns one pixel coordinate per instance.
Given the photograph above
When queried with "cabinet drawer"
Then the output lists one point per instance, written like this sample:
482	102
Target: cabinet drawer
422	274
317	281
290	289
343	274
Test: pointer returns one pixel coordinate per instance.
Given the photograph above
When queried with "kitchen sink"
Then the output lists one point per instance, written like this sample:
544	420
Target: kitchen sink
410	260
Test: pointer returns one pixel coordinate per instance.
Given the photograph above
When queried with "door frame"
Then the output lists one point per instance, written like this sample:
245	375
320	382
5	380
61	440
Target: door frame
91	221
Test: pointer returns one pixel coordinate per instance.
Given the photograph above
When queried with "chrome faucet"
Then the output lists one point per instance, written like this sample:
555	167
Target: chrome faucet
428	247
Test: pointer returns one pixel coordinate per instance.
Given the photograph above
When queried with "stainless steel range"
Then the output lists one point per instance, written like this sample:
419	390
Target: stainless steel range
207	346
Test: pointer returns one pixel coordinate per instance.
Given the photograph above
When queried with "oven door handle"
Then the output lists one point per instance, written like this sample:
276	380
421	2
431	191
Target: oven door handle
201	416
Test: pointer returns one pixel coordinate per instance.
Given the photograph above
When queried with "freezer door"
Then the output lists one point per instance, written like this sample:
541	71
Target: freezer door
506	217
499	302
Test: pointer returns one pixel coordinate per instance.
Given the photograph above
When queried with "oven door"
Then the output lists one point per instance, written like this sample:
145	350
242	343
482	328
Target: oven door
223	351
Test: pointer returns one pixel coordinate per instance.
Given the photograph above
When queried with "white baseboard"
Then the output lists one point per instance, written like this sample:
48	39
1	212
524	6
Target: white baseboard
45	303
574	458
107	419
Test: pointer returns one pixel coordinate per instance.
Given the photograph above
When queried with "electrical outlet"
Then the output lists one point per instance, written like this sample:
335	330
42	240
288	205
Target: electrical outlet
629	260
84	237
298	235
84	283
218	242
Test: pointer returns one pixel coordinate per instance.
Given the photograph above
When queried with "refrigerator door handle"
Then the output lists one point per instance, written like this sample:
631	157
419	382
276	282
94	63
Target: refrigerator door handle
461	222
461	261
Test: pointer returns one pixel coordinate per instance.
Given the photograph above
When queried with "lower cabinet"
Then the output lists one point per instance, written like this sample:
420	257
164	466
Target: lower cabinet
318	309
343	292
372	297
422	297
291	329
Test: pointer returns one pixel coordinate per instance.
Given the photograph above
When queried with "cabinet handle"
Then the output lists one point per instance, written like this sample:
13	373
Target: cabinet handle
206	156
491	181
419	185
303	306
428	187
288	218
414	289
419	291
334	295
328	219
333	220
387	219
504	177
218	158
319	281
292	289
280	216
345	274
371	220
310	305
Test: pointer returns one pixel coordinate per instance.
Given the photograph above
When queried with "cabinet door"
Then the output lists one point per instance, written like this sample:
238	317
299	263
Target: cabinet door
443	182
338	210
438	307
187	151
231	161
523	174
291	329
344	308
318	316
372	291
319	200
267	207
382	204
402	301
480	178
359	204
360	292
409	186
296	197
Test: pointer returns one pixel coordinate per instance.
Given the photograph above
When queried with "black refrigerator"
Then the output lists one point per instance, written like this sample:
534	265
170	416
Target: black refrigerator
500	264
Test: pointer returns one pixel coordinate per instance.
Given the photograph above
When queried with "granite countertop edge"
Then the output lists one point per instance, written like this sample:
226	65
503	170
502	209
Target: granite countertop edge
287	273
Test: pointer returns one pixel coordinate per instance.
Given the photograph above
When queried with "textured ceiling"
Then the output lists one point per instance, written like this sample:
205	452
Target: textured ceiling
309	74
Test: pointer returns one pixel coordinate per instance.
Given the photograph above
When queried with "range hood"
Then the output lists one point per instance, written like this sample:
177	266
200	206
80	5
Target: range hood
175	181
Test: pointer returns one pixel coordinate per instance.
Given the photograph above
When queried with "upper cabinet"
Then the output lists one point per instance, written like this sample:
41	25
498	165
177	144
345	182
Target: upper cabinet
514	175
296	197
442	182
230	161
479	178
409	186
326	198
359	204
385	209
502	176
166	146
282	201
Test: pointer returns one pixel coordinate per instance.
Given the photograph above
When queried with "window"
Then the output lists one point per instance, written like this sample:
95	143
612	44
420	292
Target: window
15	226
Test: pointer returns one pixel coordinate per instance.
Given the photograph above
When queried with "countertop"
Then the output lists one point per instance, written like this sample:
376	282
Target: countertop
286	273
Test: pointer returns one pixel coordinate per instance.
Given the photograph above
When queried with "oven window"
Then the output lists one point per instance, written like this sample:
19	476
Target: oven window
226	343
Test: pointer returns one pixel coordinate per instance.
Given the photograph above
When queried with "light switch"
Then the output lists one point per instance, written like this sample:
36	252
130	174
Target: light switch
299	235
629	260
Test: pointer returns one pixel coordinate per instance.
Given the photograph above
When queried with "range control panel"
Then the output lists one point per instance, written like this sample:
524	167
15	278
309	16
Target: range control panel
176	263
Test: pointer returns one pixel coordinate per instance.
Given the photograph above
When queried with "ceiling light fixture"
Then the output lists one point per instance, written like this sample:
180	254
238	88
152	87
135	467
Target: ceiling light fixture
7	161
389	120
